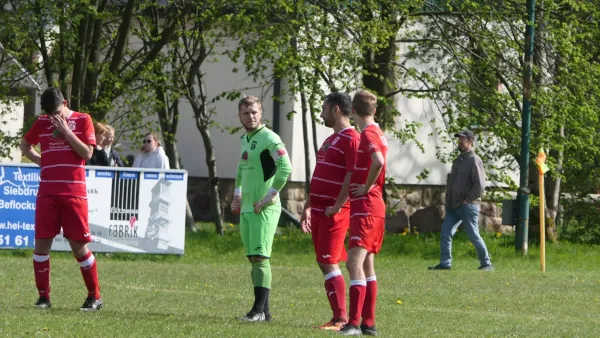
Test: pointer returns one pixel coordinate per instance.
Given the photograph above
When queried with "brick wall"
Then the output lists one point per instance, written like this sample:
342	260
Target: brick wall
419	208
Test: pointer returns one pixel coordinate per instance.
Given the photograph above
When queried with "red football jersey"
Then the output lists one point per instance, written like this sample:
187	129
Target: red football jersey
62	170
372	140
335	158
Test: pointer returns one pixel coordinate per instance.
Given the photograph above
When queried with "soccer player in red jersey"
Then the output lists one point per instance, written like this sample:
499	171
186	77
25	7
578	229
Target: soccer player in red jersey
66	141
327	209
367	213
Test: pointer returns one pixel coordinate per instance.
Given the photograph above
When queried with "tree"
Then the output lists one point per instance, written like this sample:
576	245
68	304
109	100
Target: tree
204	26
481	43
84	48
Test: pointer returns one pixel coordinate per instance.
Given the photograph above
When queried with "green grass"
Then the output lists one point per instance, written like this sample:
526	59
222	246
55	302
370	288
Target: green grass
200	293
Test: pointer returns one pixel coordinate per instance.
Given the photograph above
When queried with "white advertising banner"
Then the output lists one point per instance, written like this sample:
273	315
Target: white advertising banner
130	209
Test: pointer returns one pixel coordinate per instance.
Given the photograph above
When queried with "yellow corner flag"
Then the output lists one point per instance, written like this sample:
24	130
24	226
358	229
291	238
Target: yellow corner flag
541	162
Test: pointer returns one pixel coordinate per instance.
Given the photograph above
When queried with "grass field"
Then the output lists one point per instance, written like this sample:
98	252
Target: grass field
199	294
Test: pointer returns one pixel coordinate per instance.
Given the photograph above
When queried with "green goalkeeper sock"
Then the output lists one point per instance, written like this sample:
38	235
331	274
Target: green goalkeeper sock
262	285
262	273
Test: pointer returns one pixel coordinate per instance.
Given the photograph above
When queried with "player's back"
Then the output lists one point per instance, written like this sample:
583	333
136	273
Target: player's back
62	169
258	166
372	139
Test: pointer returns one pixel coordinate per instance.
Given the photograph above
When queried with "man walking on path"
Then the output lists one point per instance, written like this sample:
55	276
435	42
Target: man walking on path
463	196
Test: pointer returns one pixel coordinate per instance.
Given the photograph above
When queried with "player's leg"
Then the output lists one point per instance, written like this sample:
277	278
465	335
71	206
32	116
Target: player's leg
358	284
470	219
330	250
262	228
47	226
76	230
373	245
449	226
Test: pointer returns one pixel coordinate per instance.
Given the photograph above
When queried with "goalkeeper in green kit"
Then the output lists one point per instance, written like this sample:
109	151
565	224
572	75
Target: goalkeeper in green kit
262	172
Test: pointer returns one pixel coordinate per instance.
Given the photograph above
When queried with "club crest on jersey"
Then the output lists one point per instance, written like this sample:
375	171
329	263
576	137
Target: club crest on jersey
253	145
245	156
325	146
71	124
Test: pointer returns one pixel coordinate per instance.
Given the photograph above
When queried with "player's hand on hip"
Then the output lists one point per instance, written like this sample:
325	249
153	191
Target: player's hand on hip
305	221
258	206
60	123
236	204
358	189
331	211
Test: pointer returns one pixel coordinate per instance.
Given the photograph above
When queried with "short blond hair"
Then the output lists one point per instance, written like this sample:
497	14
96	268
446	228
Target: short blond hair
110	128
99	128
249	100
364	103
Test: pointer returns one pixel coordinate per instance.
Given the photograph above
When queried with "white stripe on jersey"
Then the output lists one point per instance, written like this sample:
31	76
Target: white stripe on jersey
63	165
62	181
324	196
327	181
62	149
331	164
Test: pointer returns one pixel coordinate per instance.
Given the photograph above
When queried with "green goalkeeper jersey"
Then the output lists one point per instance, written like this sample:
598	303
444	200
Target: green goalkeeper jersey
263	169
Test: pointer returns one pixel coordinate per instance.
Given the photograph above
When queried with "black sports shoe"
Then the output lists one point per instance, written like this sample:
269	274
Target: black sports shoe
485	268
43	303
350	330
439	267
91	304
368	330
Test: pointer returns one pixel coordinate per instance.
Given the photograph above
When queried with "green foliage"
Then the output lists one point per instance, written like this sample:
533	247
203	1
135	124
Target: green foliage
479	82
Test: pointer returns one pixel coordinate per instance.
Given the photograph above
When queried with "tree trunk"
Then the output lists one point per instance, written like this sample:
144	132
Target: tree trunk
304	130
91	79
379	77
80	63
168	115
43	50
213	180
553	192
314	117
62	59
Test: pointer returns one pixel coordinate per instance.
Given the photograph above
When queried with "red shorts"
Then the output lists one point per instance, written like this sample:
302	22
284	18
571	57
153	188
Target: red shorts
70	213
367	232
328	234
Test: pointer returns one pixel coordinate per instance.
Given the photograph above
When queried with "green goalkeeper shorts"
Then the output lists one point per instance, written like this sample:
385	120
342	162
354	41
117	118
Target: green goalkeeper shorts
258	230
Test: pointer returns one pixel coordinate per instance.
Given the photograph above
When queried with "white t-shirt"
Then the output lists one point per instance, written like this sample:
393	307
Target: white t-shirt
156	159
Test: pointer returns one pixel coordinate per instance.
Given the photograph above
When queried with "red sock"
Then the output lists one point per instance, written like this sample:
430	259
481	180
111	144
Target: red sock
358	289
335	287
41	269
368	311
90	274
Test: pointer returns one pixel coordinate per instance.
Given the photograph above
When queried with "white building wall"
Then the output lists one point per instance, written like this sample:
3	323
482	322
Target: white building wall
405	161
11	120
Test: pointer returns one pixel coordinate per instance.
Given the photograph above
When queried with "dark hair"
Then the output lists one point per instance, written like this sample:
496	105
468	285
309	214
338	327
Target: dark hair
341	100
51	99
364	103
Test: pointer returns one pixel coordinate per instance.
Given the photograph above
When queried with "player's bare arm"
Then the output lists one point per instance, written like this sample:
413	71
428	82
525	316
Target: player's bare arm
377	162
85	151
305	218
30	153
342	197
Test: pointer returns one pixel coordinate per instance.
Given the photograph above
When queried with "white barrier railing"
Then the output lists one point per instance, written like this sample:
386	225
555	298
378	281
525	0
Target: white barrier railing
130	209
